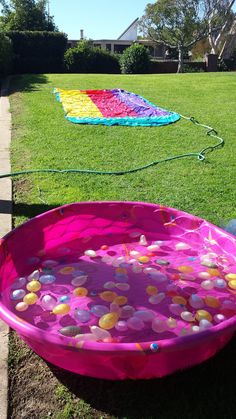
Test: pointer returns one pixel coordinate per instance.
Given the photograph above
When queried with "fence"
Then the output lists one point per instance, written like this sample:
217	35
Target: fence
170	66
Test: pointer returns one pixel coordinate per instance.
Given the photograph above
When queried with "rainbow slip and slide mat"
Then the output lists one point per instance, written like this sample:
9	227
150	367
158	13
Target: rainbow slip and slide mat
112	107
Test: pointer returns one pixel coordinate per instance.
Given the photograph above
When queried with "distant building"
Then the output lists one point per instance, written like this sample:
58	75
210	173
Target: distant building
125	40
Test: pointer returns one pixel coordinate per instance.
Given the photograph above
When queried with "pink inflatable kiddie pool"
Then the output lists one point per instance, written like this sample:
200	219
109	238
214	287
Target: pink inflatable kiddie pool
119	290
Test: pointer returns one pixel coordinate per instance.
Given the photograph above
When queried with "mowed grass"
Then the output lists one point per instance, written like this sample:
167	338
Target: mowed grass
43	138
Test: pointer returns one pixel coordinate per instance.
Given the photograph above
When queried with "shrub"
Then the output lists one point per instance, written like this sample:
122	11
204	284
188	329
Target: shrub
38	51
84	58
78	59
222	65
135	59
191	68
105	62
228	64
6	55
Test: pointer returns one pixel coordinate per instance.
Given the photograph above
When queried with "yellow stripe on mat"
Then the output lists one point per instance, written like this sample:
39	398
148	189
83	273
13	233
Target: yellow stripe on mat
78	104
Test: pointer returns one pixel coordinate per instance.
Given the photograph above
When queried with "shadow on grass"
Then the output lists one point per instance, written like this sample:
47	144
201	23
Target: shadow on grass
31	210
5	206
205	391
26	83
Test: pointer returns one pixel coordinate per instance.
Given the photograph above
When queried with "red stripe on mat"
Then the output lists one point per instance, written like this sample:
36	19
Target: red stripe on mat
109	105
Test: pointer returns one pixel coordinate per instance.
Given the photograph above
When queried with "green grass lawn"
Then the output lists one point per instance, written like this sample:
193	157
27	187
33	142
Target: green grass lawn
43	138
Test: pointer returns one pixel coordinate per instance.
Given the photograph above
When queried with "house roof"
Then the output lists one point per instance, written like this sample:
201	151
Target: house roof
127	29
113	41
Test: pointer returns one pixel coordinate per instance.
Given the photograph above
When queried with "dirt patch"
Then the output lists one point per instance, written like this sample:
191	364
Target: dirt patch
36	390
31	383
21	186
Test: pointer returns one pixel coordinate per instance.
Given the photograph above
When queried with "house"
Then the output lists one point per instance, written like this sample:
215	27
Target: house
125	40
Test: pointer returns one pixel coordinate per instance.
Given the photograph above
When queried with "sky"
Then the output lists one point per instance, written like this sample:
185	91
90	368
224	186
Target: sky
100	19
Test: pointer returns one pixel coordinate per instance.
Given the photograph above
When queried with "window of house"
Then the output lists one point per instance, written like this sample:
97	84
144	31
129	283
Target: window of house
120	48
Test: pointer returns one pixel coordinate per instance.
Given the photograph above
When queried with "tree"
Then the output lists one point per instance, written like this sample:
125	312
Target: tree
220	21
175	23
26	15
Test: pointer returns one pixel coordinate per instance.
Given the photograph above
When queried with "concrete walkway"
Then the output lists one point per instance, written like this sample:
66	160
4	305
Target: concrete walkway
5	226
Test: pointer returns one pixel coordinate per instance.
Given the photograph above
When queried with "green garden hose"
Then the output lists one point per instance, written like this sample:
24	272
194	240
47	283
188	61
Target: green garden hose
200	155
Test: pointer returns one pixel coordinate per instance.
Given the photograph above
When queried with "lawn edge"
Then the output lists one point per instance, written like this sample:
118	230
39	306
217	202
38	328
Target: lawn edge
5	227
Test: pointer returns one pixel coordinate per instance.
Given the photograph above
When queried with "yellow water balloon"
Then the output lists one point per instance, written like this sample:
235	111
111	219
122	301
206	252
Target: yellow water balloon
212	301
151	290
121	300
122	271
213	272
61	309
232	284
30	298
33	286
80	292
185	269
67	270
230	277
108	321
177	299
108	296
143	259
203	315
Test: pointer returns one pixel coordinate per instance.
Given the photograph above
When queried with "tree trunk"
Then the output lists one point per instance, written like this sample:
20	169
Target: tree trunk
215	41
210	35
212	44
180	59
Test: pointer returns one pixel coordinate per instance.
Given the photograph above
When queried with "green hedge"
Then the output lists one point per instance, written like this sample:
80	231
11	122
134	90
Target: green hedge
6	55
84	58
135	60
38	52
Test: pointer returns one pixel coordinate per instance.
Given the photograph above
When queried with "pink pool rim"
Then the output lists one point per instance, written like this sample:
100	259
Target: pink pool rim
64	235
